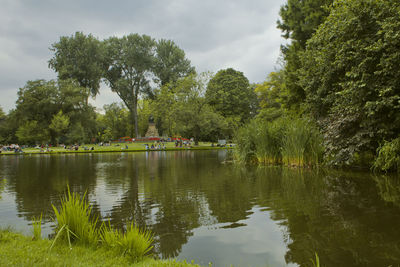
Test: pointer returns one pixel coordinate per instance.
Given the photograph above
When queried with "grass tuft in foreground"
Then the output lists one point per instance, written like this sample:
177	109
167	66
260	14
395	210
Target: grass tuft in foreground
20	250
75	221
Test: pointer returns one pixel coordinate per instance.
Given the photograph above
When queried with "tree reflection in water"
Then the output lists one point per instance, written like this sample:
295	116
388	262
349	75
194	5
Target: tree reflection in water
348	218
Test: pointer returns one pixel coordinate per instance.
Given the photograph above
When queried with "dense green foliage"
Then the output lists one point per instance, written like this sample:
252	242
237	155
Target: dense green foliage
229	92
170	62
351	78
340	70
300	19
82	58
49	111
388	158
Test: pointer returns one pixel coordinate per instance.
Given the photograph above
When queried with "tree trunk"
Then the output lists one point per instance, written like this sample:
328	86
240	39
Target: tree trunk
135	117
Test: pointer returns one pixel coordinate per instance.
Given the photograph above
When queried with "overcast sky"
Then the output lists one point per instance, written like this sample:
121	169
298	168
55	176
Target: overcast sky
214	34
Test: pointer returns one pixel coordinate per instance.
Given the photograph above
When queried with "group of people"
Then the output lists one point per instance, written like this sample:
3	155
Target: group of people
13	147
182	143
156	146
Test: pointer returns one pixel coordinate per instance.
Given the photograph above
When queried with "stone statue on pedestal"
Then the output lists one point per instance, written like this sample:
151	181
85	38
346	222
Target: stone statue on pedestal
152	130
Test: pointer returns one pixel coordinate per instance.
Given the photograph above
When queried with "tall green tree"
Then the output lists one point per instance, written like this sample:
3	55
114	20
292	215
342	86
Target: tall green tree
117	120
170	62
30	133
230	93
194	116
41	100
130	61
352	79
299	20
80	57
272	95
59	124
38	101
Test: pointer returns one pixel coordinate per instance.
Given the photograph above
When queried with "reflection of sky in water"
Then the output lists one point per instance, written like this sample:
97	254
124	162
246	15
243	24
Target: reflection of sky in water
8	217
261	239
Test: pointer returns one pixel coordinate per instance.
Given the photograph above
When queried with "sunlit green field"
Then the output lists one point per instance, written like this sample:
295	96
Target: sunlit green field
114	147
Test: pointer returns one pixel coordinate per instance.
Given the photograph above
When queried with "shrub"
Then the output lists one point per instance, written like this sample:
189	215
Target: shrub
388	158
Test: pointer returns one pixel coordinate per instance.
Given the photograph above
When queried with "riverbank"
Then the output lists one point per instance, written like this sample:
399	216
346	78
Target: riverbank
119	147
19	250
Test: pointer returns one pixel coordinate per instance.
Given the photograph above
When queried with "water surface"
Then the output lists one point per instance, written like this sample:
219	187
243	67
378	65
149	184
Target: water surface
202	209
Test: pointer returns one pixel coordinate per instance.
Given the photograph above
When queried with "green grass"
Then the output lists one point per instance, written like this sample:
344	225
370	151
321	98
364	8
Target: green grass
37	228
116	147
19	250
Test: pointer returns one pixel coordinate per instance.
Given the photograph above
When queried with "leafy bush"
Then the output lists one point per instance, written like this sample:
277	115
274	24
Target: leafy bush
388	158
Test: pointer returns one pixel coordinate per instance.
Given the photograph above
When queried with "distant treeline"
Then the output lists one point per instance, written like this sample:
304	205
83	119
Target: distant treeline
153	79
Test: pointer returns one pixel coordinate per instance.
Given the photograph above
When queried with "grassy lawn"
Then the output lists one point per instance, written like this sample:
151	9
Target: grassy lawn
20	250
115	147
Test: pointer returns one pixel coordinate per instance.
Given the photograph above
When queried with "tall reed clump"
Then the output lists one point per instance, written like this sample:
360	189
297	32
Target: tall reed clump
245	140
292	141
75	221
302	143
388	158
269	142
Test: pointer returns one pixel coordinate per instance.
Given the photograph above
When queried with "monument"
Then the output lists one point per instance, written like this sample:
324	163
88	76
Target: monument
152	130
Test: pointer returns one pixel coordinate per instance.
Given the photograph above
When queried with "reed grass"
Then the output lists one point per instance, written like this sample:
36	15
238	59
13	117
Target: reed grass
292	141
269	142
75	221
245	140
315	263
134	243
37	228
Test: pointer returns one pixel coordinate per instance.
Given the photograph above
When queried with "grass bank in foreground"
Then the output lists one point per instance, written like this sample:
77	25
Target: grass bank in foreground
118	147
19	250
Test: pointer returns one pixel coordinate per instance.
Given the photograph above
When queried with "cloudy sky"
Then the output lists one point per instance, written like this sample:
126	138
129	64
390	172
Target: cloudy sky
215	34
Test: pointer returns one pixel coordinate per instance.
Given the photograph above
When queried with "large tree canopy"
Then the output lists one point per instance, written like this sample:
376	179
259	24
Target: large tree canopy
45	108
79	57
170	62
130	61
299	20
351	76
229	92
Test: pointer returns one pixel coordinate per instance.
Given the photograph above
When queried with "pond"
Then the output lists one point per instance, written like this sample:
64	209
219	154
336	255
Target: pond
203	209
